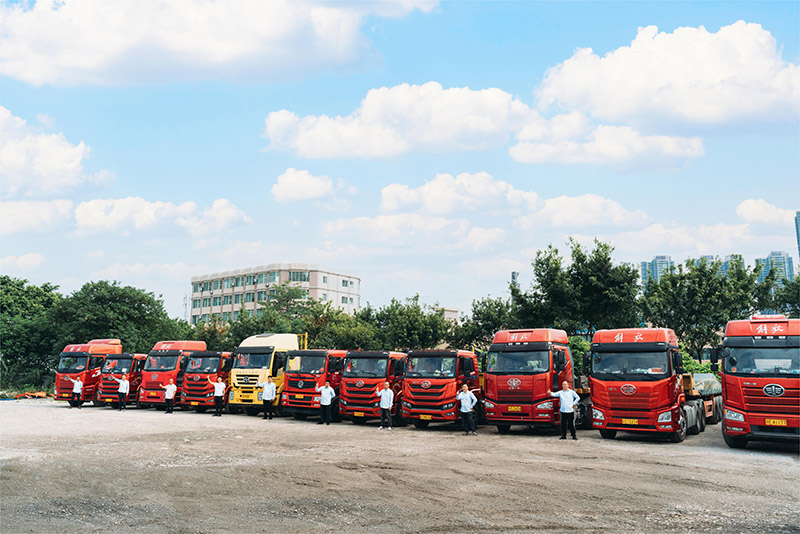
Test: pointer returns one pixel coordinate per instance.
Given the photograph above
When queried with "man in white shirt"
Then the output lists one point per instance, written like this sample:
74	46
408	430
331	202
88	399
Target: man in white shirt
468	401
169	394
219	395
387	401
122	392
77	389
568	401
326	395
267	396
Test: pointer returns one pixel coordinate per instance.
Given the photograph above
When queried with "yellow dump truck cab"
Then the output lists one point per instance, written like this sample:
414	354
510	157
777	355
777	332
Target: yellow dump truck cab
256	358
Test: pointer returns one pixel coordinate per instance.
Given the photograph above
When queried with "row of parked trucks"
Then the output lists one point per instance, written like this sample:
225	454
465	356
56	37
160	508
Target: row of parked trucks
631	380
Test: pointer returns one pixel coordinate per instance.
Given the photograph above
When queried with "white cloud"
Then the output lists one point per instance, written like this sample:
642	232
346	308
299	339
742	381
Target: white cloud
32	215
685	241
690	75
128	41
294	185
581	212
41	164
447	194
399	229
95	254
403	118
760	211
176	271
484	238
112	214
222	214
21	264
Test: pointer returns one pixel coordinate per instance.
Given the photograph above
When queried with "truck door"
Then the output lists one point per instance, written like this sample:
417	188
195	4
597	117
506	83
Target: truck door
335	372
184	362
278	363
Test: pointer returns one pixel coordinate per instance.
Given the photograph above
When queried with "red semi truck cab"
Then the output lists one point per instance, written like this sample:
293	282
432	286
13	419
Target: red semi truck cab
433	378
636	383
521	366
114	367
305	371
760	379
363	372
196	390
168	359
86	361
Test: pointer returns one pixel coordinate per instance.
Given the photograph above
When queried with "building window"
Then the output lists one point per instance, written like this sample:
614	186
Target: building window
217	284
227	299
344	300
305	294
251	312
204	317
273	276
206	302
251	279
262	278
228	283
351	300
217	301
226	316
324	279
195	303
344	283
195	319
239	281
324	297
351	283
259	312
235	315
196	288
273	293
237	298
206	286
249	297
298	276
261	296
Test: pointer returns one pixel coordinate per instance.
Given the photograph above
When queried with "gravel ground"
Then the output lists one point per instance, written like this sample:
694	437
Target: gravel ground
143	471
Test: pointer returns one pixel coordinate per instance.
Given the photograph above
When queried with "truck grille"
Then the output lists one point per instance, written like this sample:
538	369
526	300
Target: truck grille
513	395
247	381
755	401
307	383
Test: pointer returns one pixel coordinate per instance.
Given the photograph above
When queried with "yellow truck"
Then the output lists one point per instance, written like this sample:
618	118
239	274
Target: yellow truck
256	358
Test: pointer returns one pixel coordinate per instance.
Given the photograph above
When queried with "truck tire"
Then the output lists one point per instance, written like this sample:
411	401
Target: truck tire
252	410
398	419
718	408
201	409
233	410
608	433
692	419
419	423
114	405
701	419
359	420
141	405
503	429
734	442
680	435
300	416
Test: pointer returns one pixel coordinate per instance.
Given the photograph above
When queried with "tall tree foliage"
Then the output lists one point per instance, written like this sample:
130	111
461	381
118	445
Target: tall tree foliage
476	330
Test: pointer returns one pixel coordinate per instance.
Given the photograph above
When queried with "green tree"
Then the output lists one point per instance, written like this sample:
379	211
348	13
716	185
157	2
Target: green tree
476	331
787	297
410	325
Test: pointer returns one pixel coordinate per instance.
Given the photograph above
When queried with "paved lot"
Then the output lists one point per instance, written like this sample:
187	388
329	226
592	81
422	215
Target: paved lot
99	470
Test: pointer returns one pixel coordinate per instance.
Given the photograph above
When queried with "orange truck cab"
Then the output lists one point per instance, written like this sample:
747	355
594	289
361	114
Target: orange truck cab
760	379
433	378
521	366
168	360
115	366
84	361
305	371
363	372
636	384
196	390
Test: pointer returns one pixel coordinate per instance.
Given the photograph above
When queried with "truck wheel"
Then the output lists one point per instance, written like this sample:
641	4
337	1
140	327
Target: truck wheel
103	403
692	420
680	435
734	442
201	409
359	420
503	429
608	433
233	410
419	423
141	405
399	420
114	405
299	416
701	418
251	410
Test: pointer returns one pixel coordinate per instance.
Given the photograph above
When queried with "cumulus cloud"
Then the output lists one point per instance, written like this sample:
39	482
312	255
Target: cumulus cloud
21	264
683	240
691	75
111	214
221	215
294	185
399	229
176	271
760	211
581	212
484	238
34	163
33	216
128	41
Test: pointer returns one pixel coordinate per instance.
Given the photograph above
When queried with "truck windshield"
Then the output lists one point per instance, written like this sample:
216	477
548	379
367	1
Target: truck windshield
306	364
518	363
365	367
630	365
161	363
72	363
252	360
203	364
763	361
432	367
117	365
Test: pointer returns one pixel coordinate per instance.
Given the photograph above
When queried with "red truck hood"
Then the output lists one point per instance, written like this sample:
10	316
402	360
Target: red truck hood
517	388
750	394
632	395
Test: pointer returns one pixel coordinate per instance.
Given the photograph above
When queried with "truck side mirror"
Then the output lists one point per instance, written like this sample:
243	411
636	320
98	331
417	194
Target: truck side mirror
713	355
560	360
587	360
677	362
714	367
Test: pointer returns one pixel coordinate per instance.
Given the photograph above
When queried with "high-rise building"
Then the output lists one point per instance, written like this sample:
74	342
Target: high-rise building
225	293
727	262
778	261
656	268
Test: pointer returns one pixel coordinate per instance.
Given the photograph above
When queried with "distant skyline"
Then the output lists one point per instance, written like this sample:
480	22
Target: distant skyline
431	147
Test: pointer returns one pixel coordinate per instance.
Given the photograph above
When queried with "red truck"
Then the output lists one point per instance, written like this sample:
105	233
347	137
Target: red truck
84	361
197	391
305	371
363	372
637	384
761	379
115	366
521	366
433	378
168	359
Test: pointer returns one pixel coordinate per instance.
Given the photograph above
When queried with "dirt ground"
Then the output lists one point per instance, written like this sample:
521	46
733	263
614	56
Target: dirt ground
143	471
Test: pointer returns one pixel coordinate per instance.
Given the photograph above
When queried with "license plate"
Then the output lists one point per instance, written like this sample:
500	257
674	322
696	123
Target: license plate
153	394
425	417
65	394
299	397
630	421
775	422
358	414
515	408
194	403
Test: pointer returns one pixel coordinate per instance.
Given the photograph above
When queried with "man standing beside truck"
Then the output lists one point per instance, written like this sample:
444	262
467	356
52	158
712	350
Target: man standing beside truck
77	389
267	396
387	401
568	400
468	401
326	395
124	388
219	395
169	394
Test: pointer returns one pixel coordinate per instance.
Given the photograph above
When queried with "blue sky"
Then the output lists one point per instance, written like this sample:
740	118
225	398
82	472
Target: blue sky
430	147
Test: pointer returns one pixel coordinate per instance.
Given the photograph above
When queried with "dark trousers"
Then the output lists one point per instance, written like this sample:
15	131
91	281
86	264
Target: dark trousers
76	398
218	402
386	417
122	398
468	421
268	409
567	419
325	413
170	404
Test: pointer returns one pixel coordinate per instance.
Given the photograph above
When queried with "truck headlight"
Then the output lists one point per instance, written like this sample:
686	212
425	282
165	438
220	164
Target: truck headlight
376	404
230	397
665	417
448	405
730	415
545	406
597	414
488	404
342	402
406	404
316	399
